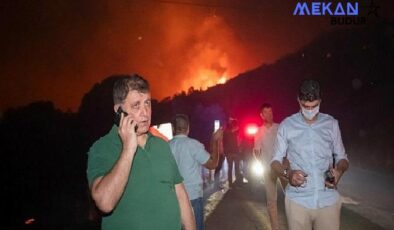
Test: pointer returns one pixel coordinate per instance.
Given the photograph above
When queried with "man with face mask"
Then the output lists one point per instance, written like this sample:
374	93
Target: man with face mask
313	143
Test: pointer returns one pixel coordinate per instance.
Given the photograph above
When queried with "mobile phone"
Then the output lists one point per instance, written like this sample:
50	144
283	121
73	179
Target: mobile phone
329	176
117	115
216	125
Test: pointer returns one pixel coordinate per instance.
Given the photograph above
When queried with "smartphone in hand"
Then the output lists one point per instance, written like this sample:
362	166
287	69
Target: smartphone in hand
117	117
118	114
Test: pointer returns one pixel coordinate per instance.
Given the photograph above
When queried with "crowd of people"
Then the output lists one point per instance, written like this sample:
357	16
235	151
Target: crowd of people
139	180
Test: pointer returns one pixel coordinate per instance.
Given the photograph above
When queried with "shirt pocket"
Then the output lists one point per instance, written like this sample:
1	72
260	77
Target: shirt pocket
163	172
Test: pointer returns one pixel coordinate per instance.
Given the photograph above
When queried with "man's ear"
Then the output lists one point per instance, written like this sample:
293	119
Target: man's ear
299	102
116	106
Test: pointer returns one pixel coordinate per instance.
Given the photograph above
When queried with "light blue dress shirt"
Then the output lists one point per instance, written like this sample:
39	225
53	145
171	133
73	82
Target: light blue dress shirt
310	148
190	155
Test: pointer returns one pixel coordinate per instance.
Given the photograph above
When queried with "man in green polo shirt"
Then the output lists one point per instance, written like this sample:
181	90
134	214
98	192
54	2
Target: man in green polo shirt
132	174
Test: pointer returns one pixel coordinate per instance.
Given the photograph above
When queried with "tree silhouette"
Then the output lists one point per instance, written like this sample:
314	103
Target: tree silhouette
44	165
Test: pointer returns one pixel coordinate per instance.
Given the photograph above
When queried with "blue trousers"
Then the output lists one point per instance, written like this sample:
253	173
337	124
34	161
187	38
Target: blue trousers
198	209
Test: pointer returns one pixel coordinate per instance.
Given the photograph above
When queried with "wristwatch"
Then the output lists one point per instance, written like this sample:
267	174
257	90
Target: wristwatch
285	173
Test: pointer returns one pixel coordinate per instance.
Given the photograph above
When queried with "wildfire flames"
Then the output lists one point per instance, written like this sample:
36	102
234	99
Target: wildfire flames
211	60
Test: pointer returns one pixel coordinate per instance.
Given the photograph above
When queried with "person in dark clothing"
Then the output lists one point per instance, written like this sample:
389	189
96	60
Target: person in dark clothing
231	151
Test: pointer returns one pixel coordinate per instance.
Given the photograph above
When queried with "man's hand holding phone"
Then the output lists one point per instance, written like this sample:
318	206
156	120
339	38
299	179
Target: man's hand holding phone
127	133
332	177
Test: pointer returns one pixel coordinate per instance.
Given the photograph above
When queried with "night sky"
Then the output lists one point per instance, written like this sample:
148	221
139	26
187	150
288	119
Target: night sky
57	50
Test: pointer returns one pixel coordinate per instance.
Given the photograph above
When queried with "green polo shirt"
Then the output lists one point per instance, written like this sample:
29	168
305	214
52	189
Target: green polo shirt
149	200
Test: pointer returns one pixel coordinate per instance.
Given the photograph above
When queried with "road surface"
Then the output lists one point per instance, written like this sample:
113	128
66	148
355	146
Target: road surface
367	196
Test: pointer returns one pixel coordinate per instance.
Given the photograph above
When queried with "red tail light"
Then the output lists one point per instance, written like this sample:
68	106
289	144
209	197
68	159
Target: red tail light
251	129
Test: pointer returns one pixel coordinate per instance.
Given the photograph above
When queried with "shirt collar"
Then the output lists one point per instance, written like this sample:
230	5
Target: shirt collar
180	135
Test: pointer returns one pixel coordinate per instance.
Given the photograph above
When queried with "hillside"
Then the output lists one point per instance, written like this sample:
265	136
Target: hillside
355	68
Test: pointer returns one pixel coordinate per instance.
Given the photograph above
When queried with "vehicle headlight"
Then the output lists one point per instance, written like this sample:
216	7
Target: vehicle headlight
257	168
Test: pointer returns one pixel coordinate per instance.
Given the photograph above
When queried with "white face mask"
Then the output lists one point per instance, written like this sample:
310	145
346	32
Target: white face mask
310	114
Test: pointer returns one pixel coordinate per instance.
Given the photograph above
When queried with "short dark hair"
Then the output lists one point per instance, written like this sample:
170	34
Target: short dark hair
127	83
265	105
309	90
232	123
180	122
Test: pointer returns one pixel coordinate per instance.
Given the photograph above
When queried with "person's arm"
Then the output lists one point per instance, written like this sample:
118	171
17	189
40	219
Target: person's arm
281	168
187	216
107	190
295	177
341	168
337	172
257	145
339	154
213	161
278	169
279	152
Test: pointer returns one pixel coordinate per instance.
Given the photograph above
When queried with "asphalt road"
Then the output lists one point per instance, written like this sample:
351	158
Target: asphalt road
244	207
369	194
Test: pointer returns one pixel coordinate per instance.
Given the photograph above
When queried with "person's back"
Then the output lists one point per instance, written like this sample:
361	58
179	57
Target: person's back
230	141
232	152
190	156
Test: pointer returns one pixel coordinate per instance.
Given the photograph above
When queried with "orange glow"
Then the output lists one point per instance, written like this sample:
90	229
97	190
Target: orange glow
174	45
222	80
209	60
194	49
204	78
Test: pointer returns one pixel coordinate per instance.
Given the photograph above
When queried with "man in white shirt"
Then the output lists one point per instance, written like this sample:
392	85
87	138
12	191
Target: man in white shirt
263	149
312	142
